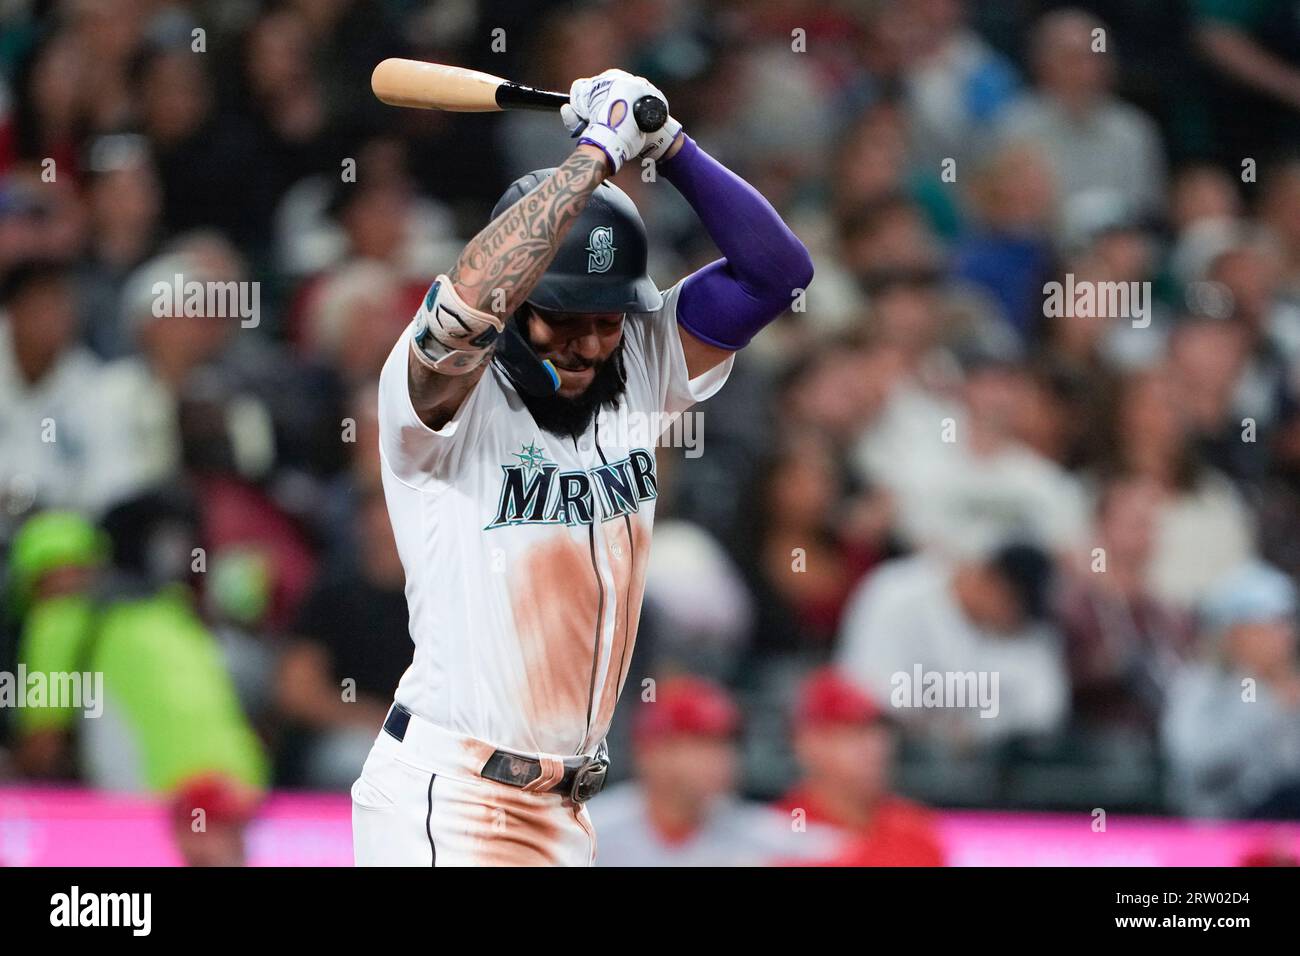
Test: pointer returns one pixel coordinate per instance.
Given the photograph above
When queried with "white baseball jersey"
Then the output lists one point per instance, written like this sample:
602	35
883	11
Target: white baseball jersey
525	553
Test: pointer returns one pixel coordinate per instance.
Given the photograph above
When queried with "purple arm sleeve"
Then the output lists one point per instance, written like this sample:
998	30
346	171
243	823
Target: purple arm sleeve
728	301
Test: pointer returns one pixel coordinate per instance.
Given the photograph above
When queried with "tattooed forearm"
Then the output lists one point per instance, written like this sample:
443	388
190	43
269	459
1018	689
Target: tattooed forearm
500	266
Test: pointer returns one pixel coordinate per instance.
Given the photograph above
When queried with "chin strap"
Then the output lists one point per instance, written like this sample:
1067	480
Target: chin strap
530	374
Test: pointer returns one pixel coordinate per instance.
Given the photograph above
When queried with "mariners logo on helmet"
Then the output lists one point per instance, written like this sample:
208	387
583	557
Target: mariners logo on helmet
600	249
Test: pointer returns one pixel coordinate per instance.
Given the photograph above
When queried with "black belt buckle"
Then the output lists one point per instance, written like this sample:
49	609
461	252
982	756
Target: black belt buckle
590	778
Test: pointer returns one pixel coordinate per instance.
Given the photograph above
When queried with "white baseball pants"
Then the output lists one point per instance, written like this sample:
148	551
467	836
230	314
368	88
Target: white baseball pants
420	801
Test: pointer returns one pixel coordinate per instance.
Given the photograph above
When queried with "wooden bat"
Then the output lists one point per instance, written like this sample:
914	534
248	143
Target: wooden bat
435	86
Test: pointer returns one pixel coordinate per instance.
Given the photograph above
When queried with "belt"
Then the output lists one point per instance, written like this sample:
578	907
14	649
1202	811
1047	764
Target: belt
580	777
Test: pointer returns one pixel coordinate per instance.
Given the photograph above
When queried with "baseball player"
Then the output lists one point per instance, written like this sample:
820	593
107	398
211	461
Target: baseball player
523	525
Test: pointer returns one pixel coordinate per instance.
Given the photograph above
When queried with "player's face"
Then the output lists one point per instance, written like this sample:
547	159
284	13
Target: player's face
577	344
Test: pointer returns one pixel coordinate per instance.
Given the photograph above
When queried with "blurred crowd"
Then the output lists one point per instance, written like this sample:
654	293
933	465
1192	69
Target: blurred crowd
922	469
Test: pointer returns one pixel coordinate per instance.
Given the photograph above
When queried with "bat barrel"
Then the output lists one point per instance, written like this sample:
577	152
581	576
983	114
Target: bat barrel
413	83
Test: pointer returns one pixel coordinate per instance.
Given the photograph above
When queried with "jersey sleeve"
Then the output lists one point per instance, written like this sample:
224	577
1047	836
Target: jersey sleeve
418	455
656	343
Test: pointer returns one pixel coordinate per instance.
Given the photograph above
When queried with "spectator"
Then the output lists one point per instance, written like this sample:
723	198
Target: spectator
1123	644
888	234
804	561
977	617
1207	363
207	162
169	711
957	86
1279	208
51	114
1107	246
971	481
1232	730
359	311
1008	251
1250	272
39	220
1095	141
343	493
845	743
1279	499
291	116
124	202
682	811
337	680
1202	192
702	609
51	438
210	815
1203	529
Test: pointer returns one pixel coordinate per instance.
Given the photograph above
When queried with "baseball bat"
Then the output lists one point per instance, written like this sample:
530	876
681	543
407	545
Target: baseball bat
436	86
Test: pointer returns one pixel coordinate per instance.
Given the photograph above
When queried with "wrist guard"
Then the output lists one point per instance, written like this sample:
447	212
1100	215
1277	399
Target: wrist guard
448	336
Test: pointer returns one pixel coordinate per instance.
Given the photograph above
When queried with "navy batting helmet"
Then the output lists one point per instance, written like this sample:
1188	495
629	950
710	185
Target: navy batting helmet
601	264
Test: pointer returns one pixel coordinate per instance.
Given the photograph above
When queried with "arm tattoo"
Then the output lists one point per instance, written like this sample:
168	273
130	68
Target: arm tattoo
502	264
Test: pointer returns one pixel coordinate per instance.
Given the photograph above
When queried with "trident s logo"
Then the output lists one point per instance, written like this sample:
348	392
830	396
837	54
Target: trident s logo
600	249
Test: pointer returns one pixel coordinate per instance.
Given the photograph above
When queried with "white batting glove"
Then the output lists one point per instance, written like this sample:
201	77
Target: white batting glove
659	142
604	104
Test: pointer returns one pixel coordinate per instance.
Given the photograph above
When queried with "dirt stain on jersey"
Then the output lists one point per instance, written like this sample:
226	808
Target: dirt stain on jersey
629	552
477	754
556	601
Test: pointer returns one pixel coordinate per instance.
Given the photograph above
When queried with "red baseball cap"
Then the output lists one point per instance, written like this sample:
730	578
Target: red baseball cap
222	799
828	697
687	705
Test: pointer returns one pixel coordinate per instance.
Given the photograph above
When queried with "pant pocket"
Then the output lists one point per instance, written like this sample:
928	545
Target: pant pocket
376	788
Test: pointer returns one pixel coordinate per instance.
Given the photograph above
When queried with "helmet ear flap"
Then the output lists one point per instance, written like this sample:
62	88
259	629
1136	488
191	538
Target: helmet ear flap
530	374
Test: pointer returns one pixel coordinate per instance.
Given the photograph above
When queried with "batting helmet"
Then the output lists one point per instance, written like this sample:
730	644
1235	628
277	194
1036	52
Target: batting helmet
601	264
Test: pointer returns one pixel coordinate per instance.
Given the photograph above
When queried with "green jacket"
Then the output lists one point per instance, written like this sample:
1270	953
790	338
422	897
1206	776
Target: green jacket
163	677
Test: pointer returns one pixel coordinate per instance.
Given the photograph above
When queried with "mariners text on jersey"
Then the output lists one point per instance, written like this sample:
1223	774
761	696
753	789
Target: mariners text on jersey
535	491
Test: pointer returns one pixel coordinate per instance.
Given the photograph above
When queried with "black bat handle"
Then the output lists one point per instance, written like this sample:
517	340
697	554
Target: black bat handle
516	96
650	112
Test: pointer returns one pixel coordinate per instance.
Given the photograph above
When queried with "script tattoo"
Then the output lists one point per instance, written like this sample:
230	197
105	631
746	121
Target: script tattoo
512	253
502	264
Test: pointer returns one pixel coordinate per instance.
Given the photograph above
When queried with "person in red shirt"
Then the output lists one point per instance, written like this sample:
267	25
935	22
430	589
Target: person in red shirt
845	744
683	809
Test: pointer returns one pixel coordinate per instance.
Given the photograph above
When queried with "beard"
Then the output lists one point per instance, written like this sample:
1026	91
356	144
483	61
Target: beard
571	417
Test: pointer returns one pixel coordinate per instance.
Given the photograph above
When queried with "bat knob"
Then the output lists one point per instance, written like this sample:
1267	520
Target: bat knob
650	112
